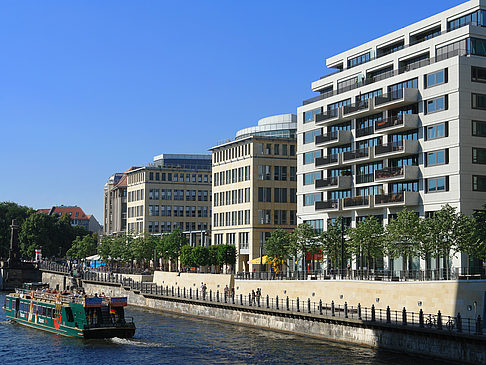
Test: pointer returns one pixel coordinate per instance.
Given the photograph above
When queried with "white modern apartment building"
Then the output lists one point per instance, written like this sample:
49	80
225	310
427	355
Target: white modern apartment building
400	123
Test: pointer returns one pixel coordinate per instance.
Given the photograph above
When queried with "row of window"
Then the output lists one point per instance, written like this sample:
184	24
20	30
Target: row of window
280	195
178	211
279	217
231	153
135	195
179	177
37	309
166	194
280	173
135	211
238	196
226	219
166	227
276	149
232	176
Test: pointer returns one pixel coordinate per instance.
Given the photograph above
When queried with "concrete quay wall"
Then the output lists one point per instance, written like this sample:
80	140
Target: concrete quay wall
437	344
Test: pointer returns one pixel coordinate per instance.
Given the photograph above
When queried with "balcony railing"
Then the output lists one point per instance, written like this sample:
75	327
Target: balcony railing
364	178
321	161
330	114
353	108
387	98
361	132
389	172
390	198
327	204
389	122
324	183
353	155
323	138
356	201
387	148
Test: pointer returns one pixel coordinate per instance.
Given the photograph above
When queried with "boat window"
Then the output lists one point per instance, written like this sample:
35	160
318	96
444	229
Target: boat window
69	314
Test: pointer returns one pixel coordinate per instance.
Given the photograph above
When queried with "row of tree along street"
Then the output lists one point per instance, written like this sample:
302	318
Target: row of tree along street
171	249
50	233
444	234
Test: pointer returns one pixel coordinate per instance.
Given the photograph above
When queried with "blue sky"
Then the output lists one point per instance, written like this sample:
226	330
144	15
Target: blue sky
89	88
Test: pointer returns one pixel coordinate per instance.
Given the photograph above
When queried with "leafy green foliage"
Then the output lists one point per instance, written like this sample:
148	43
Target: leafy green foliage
83	247
9	211
403	235
187	259
330	242
277	245
367	239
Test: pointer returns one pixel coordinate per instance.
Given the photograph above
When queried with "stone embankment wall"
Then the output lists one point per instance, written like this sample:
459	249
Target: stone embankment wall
450	297
440	344
213	282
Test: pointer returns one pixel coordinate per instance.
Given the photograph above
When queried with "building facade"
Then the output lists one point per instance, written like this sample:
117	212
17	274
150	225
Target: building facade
77	215
173	192
115	204
254	187
400	123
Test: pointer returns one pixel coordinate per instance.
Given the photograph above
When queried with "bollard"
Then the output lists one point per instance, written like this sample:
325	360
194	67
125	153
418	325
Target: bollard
217	296
388	314
210	295
167	290
345	309
197	293
268	302
320	306
172	290
298	309
152	289
479	326
308	306
404	316
276	300
241	299
233	297
373	314
190	293
249	299
359	311
333	309
439	320
178	292
225	294
459	322
156	289
288	307
184	292
421	318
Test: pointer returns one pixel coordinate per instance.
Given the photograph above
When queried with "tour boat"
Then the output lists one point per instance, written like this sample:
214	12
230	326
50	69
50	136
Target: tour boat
70	315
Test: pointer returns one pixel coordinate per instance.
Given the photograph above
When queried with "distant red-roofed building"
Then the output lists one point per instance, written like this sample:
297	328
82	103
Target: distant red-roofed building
77	215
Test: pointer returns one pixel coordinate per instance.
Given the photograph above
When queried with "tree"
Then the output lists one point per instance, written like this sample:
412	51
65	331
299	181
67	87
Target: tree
366	240
469	238
172	244
105	247
9	211
480	229
277	245
142	248
200	256
39	231
213	255
187	258
331	240
226	255
404	236
303	241
83	247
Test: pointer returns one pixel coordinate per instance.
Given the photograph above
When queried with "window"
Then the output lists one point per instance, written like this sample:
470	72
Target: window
279	217
478	74
280	173
437	184
311	114
479	155
264	172
264	217
311	177
478	128
264	194
310	157
473	18
310	137
435	78
292	150
280	195
310	199
409	84
437	104
477	46
440	157
396	188
276	149
358	60
151	176
293	195
435	131
478	101
479	183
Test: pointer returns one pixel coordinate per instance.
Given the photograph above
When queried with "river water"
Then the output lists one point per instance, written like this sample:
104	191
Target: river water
163	338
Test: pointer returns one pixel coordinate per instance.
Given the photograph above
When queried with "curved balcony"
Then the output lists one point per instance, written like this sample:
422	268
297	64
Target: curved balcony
334	138
328	205
396	99
406	147
399	123
334	183
405	198
390	174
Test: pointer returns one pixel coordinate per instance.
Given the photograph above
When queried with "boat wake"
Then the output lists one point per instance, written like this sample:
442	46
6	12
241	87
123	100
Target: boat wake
134	342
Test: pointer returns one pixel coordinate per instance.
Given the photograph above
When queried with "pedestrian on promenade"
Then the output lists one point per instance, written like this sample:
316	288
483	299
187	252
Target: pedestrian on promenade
226	291
253	296
258	295
204	289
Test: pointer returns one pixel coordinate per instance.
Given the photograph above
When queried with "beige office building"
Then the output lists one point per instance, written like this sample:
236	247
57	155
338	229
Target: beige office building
254	187
173	192
115	204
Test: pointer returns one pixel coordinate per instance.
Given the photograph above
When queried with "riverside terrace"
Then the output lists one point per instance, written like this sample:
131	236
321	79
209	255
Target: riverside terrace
317	309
